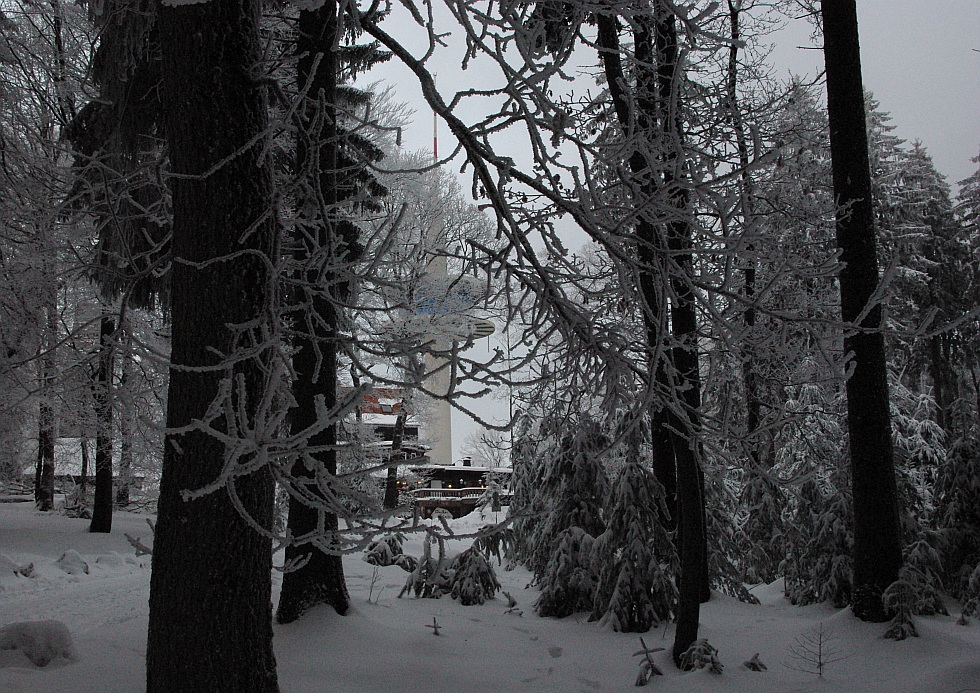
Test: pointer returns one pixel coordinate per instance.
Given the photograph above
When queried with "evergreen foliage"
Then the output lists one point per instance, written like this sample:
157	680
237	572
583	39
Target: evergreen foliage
473	579
818	563
633	556
759	534
725	564
430	578
958	515
572	490
569	581
385	550
701	655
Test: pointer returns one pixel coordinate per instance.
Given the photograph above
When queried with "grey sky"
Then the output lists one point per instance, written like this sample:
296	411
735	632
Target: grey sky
921	59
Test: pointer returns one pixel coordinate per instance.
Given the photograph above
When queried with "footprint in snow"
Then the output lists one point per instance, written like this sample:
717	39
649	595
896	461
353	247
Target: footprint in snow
555	652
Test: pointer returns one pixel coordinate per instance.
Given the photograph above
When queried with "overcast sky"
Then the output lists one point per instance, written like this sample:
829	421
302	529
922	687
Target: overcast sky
921	59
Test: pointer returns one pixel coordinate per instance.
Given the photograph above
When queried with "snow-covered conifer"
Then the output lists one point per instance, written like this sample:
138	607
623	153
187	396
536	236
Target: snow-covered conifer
573	488
632	557
569	581
958	513
473	580
820	540
702	655
384	550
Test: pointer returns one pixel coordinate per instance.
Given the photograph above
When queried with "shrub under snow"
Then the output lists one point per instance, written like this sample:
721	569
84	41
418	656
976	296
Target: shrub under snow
41	641
473	580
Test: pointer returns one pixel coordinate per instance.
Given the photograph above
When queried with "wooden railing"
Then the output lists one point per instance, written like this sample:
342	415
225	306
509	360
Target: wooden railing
450	493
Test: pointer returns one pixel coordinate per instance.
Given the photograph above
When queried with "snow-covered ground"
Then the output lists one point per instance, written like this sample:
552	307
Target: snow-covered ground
384	644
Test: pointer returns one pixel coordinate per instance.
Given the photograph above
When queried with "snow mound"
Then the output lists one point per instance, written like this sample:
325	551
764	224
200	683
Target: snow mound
72	563
42	642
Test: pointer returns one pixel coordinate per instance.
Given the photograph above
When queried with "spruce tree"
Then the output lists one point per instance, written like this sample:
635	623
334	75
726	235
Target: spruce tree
633	556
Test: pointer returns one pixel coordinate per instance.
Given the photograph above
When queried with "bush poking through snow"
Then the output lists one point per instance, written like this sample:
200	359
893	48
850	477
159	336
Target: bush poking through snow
971	598
701	655
648	668
813	651
10	567
900	599
473	580
406	562
42	642
72	563
384	551
494	542
633	592
430	578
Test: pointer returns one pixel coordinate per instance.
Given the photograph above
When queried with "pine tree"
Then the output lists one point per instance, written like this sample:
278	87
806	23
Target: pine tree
573	490
633	555
958	513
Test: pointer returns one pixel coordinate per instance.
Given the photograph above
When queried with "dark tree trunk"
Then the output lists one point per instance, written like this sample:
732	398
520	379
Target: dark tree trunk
44	474
650	244
942	389
397	438
877	535
102	508
750	379
83	443
320	249
125	422
46	422
210	588
652	114
693	588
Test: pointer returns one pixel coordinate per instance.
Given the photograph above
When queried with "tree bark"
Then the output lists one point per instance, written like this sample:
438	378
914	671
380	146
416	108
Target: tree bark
83	444
665	257
397	438
46	421
126	405
750	379
877	535
639	120
320	250
693	588
102	507
210	624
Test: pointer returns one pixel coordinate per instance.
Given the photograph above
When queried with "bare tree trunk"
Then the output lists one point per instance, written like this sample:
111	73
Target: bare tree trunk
877	535
125	480
650	243
397	438
46	422
321	248
83	444
749	375
210	628
102	508
693	588
654	112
